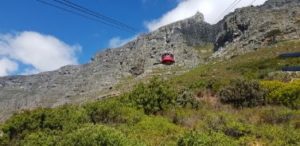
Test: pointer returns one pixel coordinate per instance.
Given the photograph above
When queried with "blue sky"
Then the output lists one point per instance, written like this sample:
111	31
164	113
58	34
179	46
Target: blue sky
29	15
35	37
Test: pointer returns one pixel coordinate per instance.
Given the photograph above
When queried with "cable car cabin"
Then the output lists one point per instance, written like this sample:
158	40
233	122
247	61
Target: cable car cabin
167	59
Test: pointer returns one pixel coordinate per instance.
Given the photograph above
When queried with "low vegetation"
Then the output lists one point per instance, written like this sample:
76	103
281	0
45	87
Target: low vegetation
281	93
242	93
241	101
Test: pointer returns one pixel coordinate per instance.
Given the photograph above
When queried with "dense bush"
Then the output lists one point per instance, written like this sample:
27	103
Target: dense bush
65	118
201	84
236	129
287	94
283	76
211	84
87	134
210	138
157	96
278	135
185	99
278	115
185	117
215	84
155	130
96	135
242	93
3	138
228	124
18	126
112	111
41	138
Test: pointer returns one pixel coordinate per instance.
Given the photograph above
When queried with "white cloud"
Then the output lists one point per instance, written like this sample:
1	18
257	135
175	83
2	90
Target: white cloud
7	66
212	10
42	52
118	42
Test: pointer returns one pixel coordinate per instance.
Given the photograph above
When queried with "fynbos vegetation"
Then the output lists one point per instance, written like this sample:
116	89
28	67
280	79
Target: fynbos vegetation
232	109
222	99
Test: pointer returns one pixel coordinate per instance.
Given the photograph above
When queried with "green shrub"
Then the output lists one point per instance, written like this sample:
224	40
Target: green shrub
185	99
278	135
283	76
20	124
155	130
273	33
242	93
112	111
236	129
65	118
157	96
201	84
153	97
215	84
287	94
210	138
39	138
212	84
230	125
3	138
59	119
272	85
277	115
97	135
183	116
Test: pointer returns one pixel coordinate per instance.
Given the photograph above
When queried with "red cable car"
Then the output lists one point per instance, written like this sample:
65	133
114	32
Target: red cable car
167	59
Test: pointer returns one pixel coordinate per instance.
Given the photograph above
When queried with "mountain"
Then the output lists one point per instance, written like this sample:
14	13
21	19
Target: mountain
244	30
250	28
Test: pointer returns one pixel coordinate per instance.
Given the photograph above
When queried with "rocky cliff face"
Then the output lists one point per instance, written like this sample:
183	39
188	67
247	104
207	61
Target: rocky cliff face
244	30
250	28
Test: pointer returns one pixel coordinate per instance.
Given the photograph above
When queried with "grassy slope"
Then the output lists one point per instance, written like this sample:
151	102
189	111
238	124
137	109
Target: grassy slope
122	123
254	65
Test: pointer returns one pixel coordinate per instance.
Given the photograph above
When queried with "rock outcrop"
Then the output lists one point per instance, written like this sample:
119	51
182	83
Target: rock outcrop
244	30
250	28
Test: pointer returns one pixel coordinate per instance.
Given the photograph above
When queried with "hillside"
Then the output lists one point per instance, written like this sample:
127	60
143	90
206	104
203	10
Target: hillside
226	88
76	84
244	100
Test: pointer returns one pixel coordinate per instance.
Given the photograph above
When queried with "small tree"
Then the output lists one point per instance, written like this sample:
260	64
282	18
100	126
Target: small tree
153	97
242	93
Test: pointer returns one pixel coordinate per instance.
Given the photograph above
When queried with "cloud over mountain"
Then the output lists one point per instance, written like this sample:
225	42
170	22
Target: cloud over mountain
37	51
213	10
